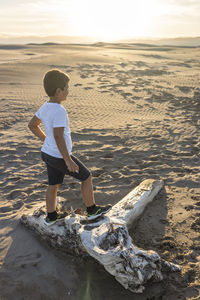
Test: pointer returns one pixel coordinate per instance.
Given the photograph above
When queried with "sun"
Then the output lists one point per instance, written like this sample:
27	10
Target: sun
114	19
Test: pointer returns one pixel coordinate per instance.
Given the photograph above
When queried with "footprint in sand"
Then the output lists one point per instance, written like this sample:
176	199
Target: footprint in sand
18	205
83	76
14	194
88	88
189	207
168	245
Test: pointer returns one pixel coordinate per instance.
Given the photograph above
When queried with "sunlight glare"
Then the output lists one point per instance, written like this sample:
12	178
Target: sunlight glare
113	19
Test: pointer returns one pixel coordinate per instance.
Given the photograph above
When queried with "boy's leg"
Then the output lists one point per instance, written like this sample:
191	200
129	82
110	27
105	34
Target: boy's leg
87	192
57	168
51	194
93	211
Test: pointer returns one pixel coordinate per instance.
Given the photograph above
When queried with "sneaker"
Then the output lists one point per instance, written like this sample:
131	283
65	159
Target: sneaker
49	222
99	211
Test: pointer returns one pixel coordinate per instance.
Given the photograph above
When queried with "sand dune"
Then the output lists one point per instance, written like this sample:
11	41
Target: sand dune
134	114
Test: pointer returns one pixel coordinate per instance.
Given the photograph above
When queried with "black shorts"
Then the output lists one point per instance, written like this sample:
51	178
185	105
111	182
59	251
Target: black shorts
57	169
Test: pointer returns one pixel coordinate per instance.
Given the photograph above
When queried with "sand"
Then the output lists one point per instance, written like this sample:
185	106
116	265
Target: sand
134	114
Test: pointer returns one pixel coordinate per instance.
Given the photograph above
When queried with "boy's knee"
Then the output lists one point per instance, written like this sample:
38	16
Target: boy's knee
54	186
89	178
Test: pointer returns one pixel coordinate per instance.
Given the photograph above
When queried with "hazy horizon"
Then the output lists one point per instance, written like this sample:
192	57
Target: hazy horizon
9	39
105	20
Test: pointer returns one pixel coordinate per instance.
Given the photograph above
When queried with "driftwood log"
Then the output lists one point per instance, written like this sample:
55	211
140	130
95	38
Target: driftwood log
107	239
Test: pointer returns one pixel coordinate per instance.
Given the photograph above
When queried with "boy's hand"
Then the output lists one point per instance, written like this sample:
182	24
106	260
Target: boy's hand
72	166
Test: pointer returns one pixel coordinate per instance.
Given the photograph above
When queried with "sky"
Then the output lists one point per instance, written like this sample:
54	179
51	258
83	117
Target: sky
101	19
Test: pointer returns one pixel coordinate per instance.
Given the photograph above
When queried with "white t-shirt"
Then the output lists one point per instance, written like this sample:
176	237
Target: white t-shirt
54	115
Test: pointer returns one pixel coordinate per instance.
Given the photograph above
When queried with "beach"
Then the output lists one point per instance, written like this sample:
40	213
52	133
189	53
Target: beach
134	114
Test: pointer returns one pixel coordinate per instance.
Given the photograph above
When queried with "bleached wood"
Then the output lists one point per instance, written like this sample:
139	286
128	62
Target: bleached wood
132	205
107	239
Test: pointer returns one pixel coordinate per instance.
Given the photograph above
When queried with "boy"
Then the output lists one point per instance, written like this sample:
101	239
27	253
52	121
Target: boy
56	151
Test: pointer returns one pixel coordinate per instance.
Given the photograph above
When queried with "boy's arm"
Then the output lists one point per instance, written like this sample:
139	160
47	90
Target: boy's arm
60	141
33	125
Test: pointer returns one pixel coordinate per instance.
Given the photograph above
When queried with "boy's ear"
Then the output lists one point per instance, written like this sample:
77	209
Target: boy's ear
57	91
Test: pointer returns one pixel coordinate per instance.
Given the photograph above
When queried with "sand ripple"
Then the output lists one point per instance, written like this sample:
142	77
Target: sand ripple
133	116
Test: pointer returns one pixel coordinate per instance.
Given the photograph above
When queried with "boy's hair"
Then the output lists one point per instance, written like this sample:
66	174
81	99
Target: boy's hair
54	79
